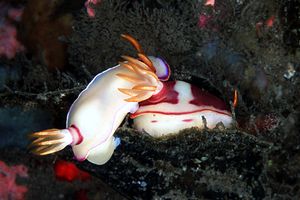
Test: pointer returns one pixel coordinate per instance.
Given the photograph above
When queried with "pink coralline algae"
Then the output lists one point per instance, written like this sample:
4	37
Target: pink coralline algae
9	45
203	20
210	3
8	187
270	21
262	26
89	9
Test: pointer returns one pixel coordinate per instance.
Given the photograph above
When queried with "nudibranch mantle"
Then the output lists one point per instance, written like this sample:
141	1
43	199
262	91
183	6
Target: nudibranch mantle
97	113
180	105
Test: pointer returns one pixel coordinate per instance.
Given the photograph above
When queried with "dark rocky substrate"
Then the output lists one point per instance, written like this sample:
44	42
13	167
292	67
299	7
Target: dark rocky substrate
253	161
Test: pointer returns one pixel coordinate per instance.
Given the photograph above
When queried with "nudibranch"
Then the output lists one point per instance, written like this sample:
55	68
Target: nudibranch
102	106
177	106
137	86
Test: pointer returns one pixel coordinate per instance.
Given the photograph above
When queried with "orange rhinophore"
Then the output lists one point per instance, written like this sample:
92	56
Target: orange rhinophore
235	98
133	42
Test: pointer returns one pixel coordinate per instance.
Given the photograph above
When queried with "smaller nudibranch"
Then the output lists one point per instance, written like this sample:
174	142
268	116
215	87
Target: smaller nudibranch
180	105
101	107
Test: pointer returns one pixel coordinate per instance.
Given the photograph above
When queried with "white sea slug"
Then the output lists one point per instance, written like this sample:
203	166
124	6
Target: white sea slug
99	110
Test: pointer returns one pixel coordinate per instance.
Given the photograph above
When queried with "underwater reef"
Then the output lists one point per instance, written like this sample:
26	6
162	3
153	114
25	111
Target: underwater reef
221	46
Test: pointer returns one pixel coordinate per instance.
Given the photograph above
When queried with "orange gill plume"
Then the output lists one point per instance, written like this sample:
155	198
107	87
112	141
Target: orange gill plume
141	73
49	141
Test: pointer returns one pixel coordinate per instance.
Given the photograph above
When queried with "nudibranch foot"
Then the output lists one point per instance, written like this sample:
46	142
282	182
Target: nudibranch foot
102	153
159	125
